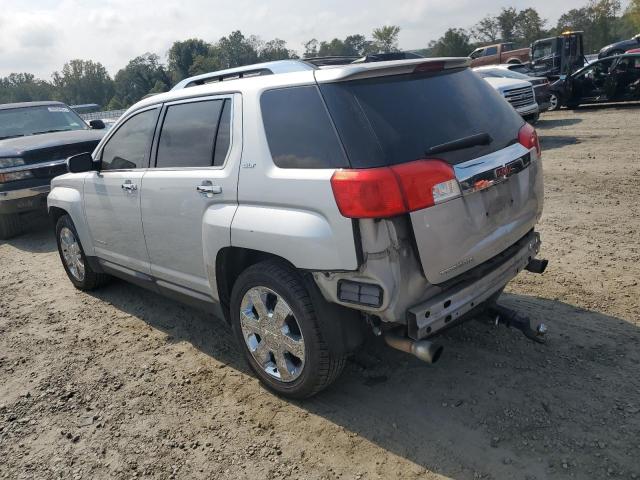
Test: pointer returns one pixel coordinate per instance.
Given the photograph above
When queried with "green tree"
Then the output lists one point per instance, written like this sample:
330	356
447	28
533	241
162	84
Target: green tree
486	30
182	55
24	87
385	38
83	81
334	47
358	45
529	26
275	49
310	48
633	15
454	43
236	50
508	21
142	75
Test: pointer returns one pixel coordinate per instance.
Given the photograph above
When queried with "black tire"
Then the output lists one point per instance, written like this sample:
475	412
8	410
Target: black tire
91	279
554	106
321	366
10	226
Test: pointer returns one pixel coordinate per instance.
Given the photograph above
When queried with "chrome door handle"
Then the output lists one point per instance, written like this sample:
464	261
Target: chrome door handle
129	187
209	189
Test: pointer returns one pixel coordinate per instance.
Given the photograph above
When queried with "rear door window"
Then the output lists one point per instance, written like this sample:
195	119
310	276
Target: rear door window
189	133
299	129
491	51
395	119
129	147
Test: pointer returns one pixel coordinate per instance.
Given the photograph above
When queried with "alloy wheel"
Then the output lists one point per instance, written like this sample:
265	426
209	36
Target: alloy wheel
272	334
72	253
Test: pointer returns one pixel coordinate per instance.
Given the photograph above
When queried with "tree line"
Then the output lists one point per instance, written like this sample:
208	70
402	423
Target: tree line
86	81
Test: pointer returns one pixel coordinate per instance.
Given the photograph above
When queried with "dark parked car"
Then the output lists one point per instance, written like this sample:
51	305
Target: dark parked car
619	48
612	79
35	140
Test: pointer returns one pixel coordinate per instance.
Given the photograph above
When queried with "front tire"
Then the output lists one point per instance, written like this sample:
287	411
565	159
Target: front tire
73	258
275	323
554	102
10	226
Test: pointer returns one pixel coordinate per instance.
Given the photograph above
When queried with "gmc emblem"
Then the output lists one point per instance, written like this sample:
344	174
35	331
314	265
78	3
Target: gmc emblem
504	171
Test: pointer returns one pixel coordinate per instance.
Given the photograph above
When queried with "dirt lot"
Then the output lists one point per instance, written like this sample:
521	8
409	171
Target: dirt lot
124	384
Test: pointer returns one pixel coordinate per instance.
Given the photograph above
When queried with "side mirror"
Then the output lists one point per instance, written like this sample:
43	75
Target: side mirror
83	162
97	124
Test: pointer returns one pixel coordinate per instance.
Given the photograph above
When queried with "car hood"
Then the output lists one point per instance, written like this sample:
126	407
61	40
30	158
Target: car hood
502	84
20	145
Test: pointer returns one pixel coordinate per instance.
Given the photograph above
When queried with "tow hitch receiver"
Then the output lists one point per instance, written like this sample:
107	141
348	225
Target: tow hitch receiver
511	318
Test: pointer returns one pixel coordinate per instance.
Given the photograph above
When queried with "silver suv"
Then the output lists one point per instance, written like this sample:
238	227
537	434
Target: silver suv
311	206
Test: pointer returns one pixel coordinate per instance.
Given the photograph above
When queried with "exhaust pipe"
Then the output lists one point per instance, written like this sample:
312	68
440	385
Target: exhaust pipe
425	350
537	265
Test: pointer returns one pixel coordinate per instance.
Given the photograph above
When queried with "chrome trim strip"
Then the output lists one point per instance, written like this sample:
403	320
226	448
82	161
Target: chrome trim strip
24	193
484	172
33	166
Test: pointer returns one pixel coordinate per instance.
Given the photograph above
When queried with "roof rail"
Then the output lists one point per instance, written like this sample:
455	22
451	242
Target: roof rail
267	68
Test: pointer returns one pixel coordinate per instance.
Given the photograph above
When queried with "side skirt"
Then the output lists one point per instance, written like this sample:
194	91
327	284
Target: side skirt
167	289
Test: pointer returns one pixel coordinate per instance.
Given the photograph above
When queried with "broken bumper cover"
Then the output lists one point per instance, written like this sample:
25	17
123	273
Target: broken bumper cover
429	317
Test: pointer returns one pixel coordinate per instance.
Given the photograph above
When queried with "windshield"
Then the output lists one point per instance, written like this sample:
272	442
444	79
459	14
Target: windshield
542	50
395	119
18	122
501	73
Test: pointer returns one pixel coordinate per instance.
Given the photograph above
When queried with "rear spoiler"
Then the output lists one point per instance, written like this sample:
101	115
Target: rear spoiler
393	67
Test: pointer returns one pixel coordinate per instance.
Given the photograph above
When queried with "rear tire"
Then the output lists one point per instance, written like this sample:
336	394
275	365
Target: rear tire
10	226
73	258
275	323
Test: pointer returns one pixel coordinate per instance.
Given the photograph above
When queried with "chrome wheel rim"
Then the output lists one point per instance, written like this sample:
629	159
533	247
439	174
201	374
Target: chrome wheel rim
553	101
272	334
71	253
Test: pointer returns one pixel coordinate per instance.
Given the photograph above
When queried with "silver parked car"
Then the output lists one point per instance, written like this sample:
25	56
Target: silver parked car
309	206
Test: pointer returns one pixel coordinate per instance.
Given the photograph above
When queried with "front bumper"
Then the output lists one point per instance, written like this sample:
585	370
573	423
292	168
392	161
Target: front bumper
429	317
24	200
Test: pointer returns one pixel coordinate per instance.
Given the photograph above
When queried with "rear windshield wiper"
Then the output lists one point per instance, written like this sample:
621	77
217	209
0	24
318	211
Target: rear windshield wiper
12	136
459	144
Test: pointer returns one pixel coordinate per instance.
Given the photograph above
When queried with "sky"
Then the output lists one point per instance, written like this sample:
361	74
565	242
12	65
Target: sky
39	36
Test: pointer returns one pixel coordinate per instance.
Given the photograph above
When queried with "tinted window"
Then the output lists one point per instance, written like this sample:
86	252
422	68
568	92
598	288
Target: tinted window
223	139
396	119
188	134
130	144
491	51
299	130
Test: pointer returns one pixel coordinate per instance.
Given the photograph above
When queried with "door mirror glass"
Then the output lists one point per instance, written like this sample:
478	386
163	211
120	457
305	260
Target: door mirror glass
83	162
97	124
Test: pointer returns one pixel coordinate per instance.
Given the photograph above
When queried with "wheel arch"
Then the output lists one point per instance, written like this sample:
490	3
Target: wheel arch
67	200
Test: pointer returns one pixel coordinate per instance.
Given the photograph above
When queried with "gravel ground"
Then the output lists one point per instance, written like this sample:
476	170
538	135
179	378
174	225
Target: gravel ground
125	384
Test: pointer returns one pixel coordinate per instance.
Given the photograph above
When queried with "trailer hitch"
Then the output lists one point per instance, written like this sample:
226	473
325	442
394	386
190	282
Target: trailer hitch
513	319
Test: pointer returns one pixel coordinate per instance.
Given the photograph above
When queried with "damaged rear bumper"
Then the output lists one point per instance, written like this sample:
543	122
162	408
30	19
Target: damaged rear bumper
433	315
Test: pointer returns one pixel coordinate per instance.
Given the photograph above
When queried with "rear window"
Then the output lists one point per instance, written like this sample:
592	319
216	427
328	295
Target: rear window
299	130
396	119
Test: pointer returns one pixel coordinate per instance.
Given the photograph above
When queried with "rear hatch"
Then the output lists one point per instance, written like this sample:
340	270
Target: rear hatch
390	120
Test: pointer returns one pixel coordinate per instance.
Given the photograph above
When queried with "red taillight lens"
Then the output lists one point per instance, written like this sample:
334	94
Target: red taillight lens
389	191
529	138
367	193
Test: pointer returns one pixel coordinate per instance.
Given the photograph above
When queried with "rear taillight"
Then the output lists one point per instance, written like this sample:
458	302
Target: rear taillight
389	191
528	138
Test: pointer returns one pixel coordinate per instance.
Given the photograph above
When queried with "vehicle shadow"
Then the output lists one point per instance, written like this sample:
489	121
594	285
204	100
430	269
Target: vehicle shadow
550	142
545	123
37	235
604	106
497	403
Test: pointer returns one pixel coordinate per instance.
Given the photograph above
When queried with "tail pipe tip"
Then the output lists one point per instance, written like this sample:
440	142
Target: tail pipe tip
429	352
